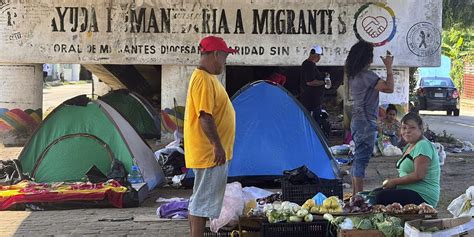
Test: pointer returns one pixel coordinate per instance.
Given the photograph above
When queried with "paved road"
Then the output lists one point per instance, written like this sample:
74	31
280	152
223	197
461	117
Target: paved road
55	95
461	127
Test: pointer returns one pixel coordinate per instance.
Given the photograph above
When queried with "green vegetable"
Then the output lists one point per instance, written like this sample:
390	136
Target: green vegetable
308	218
355	220
431	229
296	219
395	220
378	218
302	213
399	231
387	228
338	220
364	224
328	217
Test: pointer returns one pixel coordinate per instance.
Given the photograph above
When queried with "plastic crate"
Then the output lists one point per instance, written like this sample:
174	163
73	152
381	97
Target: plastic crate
301	229
228	233
299	193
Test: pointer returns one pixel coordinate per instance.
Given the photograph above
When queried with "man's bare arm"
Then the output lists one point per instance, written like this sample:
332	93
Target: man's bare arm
210	129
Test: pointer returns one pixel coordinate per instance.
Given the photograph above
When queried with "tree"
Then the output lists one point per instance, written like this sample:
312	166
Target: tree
458	13
458	36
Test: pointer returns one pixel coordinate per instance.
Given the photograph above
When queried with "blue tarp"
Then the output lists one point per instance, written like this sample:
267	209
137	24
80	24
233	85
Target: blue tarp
275	133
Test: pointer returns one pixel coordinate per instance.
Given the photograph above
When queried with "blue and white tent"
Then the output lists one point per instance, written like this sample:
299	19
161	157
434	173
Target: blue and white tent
274	132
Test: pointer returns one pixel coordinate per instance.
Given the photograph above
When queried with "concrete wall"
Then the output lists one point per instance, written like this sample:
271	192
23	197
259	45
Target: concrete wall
21	101
174	84
168	31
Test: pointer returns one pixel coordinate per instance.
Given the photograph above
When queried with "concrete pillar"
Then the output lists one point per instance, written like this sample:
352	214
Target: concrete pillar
21	102
76	69
174	85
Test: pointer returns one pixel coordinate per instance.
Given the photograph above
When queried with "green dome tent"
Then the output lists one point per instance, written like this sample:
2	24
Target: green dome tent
81	133
137	110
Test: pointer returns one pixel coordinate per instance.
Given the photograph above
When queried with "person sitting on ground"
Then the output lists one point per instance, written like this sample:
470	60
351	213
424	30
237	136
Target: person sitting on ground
418	168
390	126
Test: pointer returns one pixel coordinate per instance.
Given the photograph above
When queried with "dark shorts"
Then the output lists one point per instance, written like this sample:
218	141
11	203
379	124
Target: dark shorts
402	196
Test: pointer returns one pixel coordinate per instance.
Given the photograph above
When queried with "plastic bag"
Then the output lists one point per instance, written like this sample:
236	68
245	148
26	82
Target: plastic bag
463	205
253	193
441	153
319	198
301	175
391	150
232	207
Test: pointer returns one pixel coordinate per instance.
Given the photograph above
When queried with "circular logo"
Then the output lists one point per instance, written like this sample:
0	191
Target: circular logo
375	23
423	39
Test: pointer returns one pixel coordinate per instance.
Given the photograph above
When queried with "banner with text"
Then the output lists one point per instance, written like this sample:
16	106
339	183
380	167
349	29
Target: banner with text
264	32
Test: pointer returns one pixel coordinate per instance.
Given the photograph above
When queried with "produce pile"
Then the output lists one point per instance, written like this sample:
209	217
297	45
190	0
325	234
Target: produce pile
390	226
355	214
397	208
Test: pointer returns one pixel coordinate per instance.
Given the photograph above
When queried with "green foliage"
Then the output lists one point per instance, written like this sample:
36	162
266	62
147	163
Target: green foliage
458	36
458	14
458	45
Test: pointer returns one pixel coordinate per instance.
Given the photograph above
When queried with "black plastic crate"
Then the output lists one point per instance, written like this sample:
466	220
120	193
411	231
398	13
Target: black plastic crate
299	193
221	233
226	233
301	229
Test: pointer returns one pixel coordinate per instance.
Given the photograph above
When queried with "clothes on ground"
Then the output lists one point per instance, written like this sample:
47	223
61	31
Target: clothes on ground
31	192
208	191
363	134
206	94
429	187
174	210
364	95
311	96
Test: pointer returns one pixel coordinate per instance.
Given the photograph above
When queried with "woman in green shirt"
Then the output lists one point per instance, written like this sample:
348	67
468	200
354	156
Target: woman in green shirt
418	168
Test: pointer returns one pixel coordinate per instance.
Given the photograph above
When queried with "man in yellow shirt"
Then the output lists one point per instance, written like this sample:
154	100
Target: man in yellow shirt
209	133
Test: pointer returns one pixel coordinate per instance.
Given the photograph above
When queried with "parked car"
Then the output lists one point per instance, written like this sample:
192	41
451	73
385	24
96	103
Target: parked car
437	93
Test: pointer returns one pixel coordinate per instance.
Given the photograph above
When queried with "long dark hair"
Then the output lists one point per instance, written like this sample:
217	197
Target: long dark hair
360	56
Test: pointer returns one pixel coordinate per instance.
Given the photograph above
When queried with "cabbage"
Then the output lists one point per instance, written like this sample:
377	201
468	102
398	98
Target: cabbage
355	220
387	228
395	220
364	224
377	218
399	231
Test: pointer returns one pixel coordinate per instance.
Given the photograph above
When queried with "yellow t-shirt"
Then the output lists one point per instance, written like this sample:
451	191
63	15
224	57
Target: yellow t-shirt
207	94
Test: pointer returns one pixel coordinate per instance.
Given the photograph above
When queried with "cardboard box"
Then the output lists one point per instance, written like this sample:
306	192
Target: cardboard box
360	233
454	227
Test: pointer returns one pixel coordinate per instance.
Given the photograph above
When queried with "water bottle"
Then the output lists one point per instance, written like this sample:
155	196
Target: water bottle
327	81
135	176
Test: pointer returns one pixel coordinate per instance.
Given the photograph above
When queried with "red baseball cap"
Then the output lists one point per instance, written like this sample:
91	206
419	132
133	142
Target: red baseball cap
214	43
